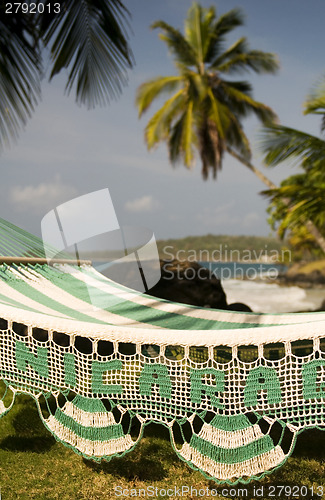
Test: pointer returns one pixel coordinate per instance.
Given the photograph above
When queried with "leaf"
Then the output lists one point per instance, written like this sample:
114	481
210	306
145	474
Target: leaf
175	140
187	136
159	125
177	44
280	143
88	40
260	62
229	21
315	102
197	28
150	90
245	105
20	72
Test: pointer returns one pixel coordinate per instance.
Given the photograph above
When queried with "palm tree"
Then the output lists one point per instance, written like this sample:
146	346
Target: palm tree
206	106
303	244
281	143
87	38
300	198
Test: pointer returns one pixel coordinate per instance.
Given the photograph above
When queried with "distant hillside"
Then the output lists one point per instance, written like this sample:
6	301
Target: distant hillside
224	248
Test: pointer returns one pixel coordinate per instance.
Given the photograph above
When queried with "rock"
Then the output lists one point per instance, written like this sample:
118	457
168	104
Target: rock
239	306
189	283
304	280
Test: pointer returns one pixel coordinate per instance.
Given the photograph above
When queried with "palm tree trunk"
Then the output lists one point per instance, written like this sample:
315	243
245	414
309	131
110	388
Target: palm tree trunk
316	234
256	171
309	224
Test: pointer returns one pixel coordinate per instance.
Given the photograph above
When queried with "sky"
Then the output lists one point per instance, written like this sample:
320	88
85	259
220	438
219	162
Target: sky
67	151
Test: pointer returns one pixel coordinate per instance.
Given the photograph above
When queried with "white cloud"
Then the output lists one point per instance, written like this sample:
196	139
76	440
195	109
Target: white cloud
41	197
144	204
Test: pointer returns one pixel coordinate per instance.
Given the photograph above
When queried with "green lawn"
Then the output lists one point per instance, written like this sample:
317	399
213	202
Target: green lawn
34	466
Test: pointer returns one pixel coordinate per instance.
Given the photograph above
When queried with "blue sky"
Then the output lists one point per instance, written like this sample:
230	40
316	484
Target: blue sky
66	151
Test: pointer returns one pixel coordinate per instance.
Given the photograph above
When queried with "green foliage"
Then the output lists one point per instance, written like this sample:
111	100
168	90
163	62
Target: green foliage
306	201
280	143
223	246
87	39
300	198
206	110
303	244
316	100
20	70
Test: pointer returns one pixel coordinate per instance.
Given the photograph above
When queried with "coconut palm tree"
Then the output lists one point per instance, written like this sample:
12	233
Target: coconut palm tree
87	38
299	200
281	143
206	105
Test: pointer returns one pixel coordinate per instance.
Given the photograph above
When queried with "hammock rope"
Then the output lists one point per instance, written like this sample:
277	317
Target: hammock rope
234	389
15	241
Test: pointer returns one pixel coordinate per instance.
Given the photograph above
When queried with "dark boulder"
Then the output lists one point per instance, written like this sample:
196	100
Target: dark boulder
239	306
304	280
189	283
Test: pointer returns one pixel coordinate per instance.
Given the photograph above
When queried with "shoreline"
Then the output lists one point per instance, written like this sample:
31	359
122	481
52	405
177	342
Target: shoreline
218	287
269	296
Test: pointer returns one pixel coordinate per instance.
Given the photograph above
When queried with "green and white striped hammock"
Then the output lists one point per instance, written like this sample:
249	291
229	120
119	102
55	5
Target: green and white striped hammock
234	389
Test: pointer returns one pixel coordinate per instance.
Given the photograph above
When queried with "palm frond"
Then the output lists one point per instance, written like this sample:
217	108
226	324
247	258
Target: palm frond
244	104
187	136
159	125
175	141
176	43
280	143
238	140
195	86
299	198
257	61
315	102
218	31
180	142
219	115
89	40
20	71
240	85
150	90
198	30
238	47
228	22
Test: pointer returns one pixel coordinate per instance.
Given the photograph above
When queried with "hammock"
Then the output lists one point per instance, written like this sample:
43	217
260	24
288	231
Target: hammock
234	389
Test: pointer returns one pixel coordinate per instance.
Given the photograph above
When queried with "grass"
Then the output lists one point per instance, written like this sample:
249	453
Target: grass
34	466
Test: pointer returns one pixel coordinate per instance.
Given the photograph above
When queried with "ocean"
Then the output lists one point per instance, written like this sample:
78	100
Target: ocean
251	283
